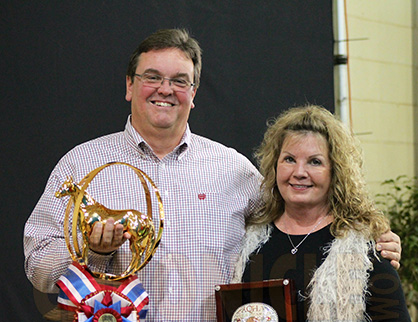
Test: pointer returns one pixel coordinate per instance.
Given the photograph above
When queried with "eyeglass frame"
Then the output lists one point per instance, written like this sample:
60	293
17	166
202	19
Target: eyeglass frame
169	79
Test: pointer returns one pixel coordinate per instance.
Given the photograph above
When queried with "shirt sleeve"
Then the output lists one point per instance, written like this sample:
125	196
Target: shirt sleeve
249	185
387	300
46	253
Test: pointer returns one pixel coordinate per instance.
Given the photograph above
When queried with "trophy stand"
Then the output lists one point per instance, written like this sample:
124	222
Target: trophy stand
58	314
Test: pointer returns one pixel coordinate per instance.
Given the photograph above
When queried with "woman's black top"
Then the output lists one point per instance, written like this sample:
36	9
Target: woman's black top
386	301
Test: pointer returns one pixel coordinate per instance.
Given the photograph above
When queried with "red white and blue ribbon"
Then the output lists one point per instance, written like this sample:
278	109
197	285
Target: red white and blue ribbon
80	292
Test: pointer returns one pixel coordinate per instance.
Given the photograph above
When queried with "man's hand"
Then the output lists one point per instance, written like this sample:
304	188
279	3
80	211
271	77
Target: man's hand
104	240
390	246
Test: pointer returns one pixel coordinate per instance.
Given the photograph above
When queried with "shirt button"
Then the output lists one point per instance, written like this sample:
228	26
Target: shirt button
169	256
170	290
166	193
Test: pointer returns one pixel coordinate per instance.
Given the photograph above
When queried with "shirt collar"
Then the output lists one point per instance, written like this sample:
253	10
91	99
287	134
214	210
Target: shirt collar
136	140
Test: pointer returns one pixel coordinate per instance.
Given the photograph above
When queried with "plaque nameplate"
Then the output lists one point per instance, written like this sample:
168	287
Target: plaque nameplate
272	300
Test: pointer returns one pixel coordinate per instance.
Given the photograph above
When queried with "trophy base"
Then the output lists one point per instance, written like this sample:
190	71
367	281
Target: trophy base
58	314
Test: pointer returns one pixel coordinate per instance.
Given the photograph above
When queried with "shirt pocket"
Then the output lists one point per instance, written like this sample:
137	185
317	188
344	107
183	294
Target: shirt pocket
215	221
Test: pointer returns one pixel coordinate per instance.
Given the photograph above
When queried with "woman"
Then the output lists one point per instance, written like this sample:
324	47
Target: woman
318	225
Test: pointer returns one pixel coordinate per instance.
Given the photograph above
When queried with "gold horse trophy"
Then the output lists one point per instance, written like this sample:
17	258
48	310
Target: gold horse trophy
86	212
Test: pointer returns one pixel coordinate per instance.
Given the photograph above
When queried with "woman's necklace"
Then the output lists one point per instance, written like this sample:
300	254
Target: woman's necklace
294	250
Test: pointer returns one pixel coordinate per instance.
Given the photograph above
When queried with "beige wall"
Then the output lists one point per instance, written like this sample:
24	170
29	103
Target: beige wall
383	77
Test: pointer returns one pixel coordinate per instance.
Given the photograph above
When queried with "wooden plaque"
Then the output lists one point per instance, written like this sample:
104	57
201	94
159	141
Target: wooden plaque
279	294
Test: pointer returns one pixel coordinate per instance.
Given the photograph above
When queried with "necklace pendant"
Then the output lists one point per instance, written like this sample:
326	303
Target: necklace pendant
294	251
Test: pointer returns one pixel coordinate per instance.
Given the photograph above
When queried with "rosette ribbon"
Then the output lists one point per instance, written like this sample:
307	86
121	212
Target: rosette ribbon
79	292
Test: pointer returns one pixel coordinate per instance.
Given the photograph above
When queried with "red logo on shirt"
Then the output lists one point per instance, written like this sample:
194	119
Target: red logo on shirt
201	196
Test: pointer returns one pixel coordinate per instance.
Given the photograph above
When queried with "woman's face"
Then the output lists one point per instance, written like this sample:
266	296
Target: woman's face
304	171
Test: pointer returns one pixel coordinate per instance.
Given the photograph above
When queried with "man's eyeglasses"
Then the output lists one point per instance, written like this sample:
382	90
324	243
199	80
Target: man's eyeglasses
155	80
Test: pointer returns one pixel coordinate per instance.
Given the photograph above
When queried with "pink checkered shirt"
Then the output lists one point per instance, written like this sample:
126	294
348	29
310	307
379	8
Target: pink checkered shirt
207	191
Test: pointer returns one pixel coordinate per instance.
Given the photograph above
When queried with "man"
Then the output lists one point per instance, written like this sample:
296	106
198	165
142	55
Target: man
207	189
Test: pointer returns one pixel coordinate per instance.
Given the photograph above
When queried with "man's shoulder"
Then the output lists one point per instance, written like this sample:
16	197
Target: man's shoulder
97	148
108	139
210	151
204	143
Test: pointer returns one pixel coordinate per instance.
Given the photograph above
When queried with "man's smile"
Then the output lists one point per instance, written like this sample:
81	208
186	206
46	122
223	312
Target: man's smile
162	104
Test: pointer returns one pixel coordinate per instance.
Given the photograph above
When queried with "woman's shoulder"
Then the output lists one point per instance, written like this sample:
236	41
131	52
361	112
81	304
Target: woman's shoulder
386	300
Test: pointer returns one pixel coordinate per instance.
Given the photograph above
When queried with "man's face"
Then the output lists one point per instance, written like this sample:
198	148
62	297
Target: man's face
162	108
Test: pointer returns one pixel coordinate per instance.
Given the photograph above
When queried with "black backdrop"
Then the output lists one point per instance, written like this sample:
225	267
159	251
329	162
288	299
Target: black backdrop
63	69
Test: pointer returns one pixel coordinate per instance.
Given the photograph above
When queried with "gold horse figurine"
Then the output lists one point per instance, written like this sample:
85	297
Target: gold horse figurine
134	222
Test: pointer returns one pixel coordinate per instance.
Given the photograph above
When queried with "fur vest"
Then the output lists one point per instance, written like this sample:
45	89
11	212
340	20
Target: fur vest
338	288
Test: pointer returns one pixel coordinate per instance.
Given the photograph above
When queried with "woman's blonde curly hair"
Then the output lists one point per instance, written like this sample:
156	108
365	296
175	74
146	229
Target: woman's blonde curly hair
348	199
